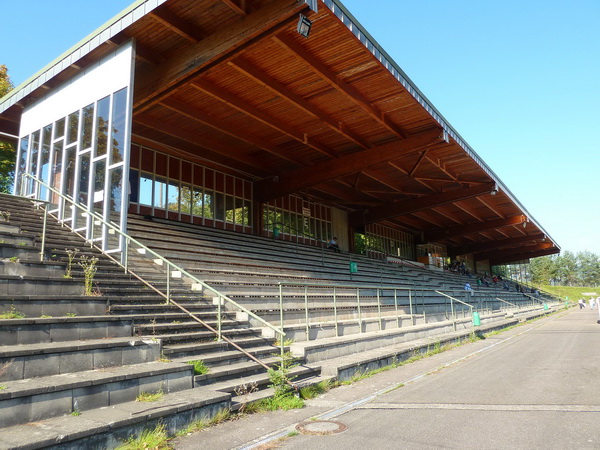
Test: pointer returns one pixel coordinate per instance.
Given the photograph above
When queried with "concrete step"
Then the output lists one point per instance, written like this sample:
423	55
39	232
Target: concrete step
200	350
35	399
261	379
111	426
40	360
62	329
55	305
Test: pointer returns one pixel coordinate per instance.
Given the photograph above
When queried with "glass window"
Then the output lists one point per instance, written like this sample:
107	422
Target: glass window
173	199
99	179
56	172
186	199
73	126
119	114
160	194
197	202
116	181
102	117
84	178
59	128
22	166
88	118
146	190
209	205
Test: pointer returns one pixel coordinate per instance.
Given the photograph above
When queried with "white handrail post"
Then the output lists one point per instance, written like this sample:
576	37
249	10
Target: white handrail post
360	326
379	309
306	312
396	306
281	318
335	312
412	317
219	318
44	232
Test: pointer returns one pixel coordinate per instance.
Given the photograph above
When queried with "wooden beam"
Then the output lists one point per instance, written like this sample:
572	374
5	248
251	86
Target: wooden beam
418	163
239	6
141	52
486	246
472	228
187	62
499	254
177	25
238	104
412	205
197	115
215	147
292	181
282	91
334	81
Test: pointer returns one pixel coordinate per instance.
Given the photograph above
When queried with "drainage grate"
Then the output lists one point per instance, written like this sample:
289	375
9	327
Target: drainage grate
321	427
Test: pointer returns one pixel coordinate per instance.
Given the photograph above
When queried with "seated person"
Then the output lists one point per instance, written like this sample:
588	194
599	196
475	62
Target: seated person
333	245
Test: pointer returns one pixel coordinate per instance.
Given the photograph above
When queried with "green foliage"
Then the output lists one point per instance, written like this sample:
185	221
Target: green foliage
88	264
7	149
280	376
574	293
71	254
314	390
199	367
150	439
12	314
567	269
149	397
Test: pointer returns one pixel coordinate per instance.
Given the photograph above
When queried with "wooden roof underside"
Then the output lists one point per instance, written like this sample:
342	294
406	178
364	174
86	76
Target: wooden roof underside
231	82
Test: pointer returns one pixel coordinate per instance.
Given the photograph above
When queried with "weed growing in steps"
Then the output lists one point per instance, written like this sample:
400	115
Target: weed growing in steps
88	264
71	254
149	397
149	439
199	367
12	314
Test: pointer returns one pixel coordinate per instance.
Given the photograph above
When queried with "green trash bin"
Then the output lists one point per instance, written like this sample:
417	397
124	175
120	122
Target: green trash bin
545	306
476	319
353	267
275	232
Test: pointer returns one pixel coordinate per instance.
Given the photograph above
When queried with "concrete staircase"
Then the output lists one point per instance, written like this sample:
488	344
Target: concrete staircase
63	353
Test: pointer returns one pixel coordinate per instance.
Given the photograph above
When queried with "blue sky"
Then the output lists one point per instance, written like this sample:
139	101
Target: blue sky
518	79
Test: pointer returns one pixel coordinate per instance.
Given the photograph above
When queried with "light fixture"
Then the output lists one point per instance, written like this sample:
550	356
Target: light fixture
304	25
494	190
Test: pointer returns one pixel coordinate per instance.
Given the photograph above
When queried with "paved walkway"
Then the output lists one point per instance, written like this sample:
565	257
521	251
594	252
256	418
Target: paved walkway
535	386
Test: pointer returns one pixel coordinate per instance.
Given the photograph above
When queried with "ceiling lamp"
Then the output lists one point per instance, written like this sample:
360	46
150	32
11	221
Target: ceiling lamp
304	25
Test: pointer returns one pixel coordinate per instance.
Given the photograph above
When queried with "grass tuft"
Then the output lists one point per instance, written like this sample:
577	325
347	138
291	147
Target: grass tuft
149	397
157	439
199	367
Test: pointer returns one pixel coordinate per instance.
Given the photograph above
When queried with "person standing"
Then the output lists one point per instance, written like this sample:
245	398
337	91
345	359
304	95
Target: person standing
581	304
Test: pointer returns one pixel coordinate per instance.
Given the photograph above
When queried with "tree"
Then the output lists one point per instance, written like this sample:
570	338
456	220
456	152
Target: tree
7	149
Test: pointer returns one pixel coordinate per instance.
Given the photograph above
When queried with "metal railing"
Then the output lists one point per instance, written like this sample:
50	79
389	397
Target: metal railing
172	271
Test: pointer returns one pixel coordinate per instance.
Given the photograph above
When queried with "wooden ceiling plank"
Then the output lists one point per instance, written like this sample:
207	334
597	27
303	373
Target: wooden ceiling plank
292	181
186	63
334	81
279	89
199	116
266	119
472	228
176	24
487	246
410	206
402	170
522	256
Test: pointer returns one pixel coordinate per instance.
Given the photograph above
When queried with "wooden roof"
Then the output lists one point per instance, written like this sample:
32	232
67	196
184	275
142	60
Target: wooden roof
329	117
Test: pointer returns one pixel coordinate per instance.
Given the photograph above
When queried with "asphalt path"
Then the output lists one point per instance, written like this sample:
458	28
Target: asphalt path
536	386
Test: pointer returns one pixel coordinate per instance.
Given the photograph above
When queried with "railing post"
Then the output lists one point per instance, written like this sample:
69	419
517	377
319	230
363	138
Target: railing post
379	310
412	317
335	311
44	232
281	317
396	306
306	312
360	326
219	319
168	283
125	254
452	312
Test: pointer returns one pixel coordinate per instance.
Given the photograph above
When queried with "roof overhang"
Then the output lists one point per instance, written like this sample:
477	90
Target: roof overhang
331	117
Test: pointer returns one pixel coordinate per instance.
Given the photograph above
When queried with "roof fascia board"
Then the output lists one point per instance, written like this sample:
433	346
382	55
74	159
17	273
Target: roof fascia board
129	15
340	11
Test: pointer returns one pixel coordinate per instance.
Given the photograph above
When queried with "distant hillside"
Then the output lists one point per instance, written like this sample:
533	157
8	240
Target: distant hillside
574	293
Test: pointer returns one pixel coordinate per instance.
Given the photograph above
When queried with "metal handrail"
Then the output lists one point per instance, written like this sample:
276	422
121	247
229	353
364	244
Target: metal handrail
172	265
508	303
